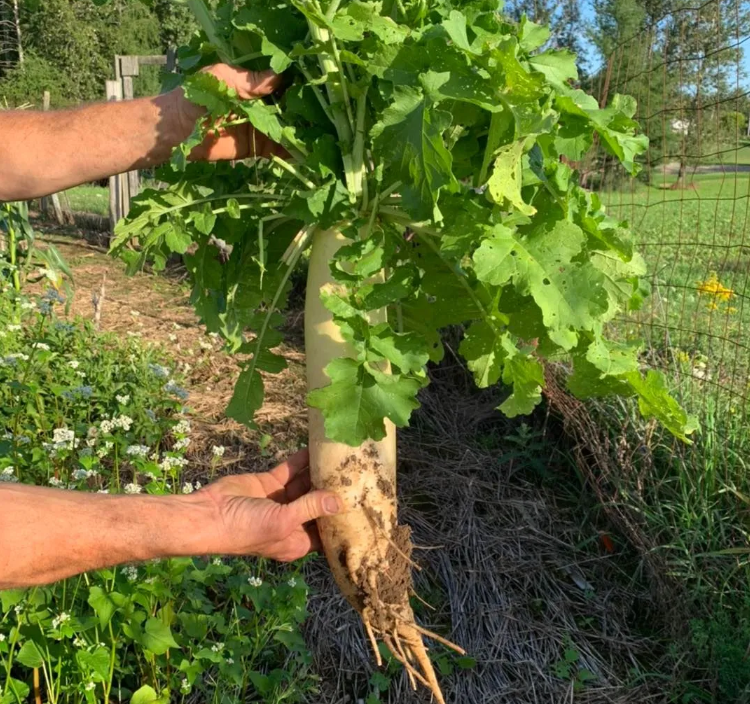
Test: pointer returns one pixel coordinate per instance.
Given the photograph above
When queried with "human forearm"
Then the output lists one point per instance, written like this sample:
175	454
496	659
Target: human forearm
50	534
41	153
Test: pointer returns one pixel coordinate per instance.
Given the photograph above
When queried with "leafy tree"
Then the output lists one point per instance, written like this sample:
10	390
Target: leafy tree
567	26
682	64
72	44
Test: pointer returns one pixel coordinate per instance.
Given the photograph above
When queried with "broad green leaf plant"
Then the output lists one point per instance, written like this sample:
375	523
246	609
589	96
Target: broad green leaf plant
437	137
429	176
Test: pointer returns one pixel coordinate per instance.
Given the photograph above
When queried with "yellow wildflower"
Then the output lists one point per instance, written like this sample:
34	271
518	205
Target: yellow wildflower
714	288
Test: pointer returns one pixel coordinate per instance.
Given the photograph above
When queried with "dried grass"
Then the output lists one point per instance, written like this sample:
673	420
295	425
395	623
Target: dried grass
501	567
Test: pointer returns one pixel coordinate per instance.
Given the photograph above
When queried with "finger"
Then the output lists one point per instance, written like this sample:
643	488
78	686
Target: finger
312	505
252	84
316	544
299	486
293	465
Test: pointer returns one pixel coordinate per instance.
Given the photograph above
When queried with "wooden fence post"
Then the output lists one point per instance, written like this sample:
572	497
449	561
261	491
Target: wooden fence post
114	93
54	198
132	178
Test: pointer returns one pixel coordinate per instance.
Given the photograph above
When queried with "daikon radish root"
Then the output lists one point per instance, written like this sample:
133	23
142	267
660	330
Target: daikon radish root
368	551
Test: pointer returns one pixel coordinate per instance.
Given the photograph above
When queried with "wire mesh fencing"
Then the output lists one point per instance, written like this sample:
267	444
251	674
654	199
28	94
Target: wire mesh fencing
688	207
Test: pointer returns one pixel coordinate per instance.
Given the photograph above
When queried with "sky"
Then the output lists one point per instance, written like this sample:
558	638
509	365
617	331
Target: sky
594	59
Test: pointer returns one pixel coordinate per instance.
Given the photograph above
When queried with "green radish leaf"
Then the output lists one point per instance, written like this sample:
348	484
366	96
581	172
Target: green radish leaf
432	136
410	137
504	186
357	400
526	375
655	401
483	354
247	397
558	67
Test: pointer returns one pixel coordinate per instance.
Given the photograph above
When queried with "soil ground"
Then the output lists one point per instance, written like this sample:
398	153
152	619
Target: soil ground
513	569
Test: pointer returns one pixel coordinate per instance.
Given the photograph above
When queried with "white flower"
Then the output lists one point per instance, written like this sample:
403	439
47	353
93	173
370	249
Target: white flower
218	450
8	475
18	608
172	337
60	619
90	686
123	422
81	374
214	335
124	400
137	450
79	642
292	582
43	346
62	435
159	371
79	474
187	488
217	647
198	485
151	580
255	581
131	572
217	561
205	345
107	426
185	686
182	428
171	462
74	364
230	661
57	483
104	449
181	444
14	328
91	442
103	491
133	488
2	637
150	476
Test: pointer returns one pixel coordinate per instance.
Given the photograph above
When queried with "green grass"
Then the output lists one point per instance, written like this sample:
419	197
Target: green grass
89	199
692	503
686	236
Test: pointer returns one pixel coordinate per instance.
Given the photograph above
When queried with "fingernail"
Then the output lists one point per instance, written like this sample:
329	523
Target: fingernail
332	505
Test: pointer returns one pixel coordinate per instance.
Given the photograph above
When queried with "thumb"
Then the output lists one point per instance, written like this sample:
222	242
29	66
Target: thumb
314	504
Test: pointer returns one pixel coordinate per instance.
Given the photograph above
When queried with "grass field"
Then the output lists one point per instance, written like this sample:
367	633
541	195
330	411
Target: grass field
696	243
89	199
689	504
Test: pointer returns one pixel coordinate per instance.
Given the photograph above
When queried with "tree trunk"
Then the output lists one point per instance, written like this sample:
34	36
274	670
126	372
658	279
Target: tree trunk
679	184
17	23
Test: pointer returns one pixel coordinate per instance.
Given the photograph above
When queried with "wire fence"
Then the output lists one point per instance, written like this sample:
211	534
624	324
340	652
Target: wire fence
689	208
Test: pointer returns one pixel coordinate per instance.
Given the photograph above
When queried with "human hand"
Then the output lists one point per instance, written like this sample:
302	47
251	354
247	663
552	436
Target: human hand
239	141
270	514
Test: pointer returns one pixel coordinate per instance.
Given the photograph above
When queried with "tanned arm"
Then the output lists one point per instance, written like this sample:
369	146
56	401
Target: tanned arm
49	534
46	152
